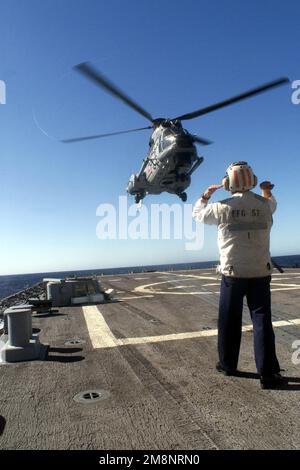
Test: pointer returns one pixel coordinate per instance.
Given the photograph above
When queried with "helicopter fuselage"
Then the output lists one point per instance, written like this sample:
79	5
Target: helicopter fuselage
168	166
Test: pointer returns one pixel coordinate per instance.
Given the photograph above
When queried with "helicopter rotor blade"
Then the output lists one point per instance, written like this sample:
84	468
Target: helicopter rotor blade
90	72
234	99
201	140
99	136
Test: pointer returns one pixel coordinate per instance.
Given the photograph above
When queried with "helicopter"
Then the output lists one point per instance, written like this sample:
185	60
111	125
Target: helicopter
172	156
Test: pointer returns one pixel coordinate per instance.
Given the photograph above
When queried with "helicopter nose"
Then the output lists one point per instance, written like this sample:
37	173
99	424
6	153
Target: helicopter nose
184	141
130	187
132	184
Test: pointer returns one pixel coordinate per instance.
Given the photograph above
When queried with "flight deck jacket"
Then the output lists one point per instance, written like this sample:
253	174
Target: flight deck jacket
244	224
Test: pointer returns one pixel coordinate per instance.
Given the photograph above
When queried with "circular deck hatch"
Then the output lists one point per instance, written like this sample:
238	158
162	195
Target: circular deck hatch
91	396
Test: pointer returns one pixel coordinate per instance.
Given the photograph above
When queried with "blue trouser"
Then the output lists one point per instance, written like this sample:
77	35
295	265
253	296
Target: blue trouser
257	292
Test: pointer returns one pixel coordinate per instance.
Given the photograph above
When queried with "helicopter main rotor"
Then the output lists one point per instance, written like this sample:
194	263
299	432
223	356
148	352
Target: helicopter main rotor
90	72
234	99
98	136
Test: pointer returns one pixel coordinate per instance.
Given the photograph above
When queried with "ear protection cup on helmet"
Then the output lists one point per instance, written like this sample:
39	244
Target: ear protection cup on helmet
239	178
226	183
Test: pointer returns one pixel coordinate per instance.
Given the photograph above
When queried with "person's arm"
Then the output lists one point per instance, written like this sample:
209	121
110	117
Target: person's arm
204	212
266	187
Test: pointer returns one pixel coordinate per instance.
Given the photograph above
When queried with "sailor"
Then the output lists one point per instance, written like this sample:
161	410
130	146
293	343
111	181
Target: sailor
244	222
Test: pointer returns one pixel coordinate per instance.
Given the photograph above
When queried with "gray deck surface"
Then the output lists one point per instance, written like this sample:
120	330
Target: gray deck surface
164	391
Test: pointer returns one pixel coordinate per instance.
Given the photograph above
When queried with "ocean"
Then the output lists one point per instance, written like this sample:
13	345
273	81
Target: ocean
9	285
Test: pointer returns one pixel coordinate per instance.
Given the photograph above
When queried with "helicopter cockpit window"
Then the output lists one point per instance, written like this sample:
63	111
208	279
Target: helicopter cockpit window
168	133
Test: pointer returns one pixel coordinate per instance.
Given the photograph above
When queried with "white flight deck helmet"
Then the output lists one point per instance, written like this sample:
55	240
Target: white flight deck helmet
239	178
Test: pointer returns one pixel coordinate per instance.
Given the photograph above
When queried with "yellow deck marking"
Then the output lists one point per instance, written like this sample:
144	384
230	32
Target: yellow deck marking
152	289
284	284
211	277
285	288
99	331
147	289
286	273
182	287
135	297
211	284
102	337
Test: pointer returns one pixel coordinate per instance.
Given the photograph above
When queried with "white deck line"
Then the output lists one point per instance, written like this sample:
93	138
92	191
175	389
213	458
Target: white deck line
102	337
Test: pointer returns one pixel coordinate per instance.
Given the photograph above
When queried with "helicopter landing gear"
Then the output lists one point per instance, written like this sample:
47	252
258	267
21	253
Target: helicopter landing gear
137	198
183	197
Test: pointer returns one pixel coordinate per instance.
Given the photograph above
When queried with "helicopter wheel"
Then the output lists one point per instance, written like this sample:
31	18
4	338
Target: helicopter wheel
137	198
183	197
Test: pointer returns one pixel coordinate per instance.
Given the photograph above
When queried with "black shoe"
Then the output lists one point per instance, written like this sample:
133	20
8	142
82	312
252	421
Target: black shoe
268	382
228	373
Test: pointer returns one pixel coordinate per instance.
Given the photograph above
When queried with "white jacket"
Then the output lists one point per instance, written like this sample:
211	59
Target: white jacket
244	224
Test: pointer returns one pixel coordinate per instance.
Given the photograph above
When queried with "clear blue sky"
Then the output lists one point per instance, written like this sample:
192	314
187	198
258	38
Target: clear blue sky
172	57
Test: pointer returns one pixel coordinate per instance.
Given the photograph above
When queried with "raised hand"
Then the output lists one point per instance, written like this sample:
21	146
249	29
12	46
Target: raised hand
266	185
211	189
